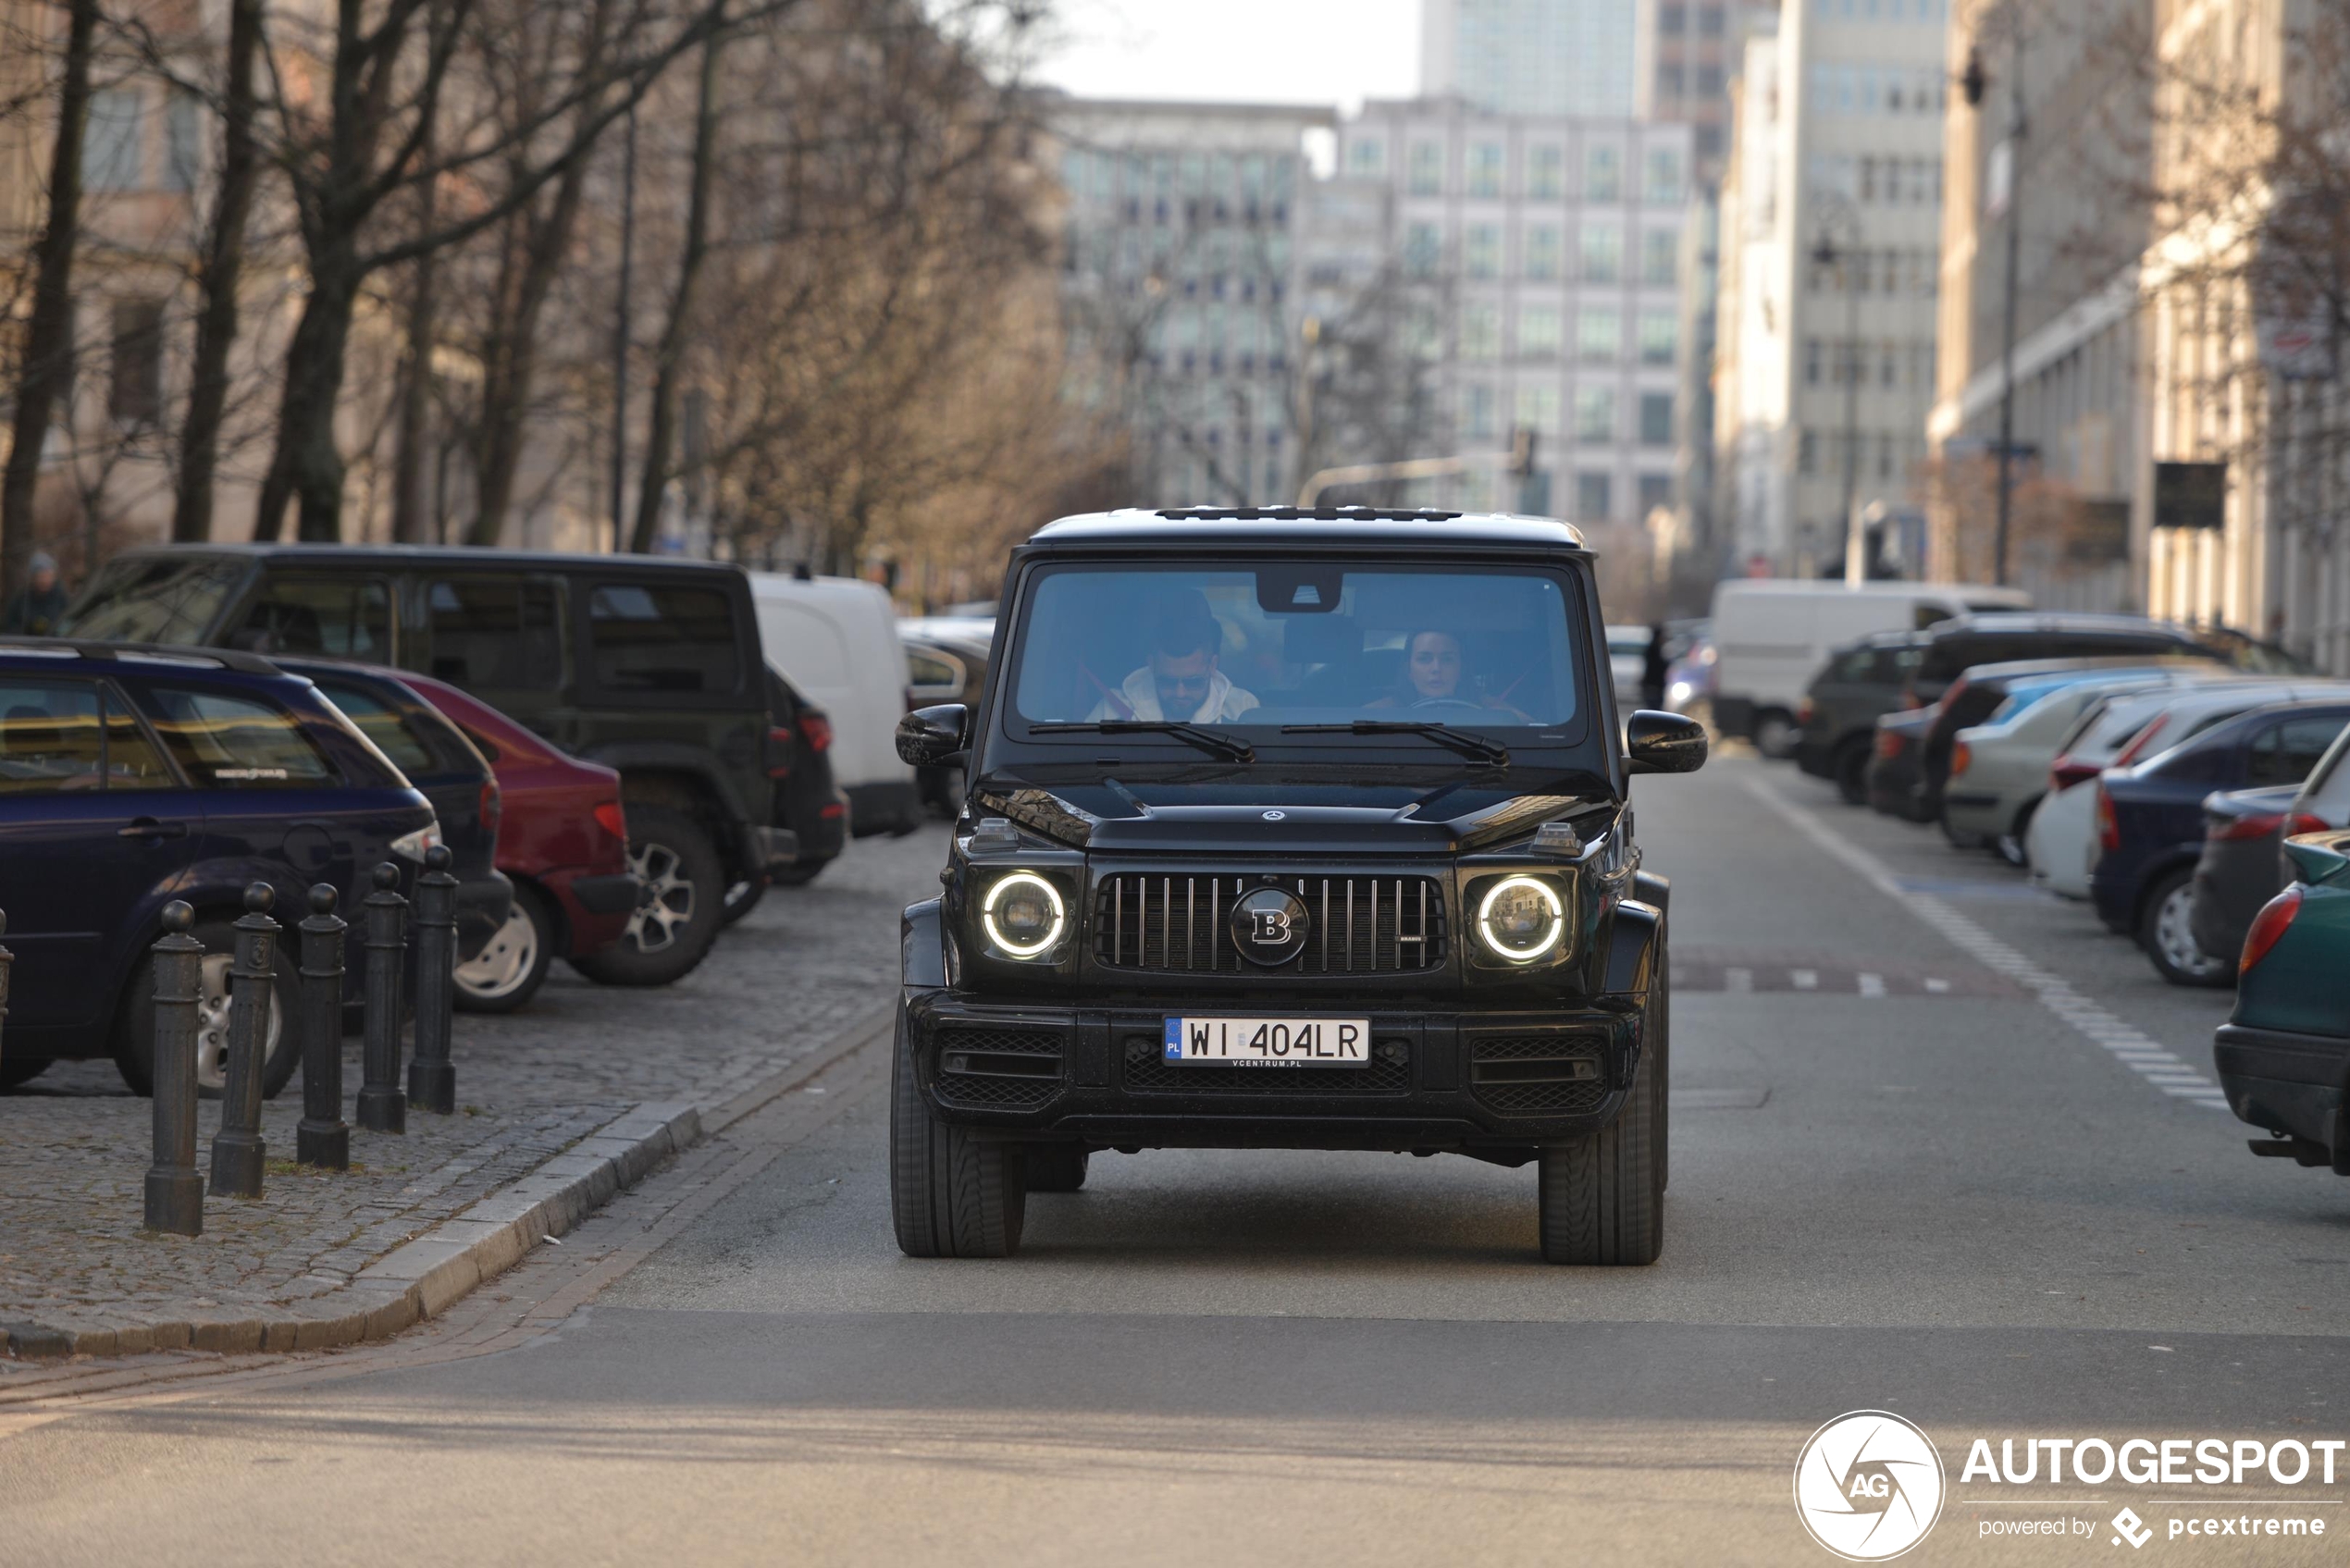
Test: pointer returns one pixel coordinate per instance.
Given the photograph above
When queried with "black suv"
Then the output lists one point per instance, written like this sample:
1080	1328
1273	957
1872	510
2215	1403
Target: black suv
1297	830
650	666
1860	683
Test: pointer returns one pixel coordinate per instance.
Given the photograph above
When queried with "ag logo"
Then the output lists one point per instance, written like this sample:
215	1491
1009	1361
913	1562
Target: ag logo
1268	926
1868	1486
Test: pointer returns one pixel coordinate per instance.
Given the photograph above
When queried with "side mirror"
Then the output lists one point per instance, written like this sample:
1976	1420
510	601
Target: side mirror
1663	742
929	736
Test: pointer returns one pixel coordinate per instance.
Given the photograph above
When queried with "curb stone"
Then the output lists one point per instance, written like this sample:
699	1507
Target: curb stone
423	1277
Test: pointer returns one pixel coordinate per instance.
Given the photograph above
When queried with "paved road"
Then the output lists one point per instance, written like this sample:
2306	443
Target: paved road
1939	1149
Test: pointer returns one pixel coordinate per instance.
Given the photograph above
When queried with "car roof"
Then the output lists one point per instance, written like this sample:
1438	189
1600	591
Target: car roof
2010	620
1371	528
52	650
451	556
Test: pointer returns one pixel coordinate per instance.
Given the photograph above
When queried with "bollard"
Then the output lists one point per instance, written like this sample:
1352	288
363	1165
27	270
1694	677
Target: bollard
323	1138
432	1077
381	1108
175	1194
238	1153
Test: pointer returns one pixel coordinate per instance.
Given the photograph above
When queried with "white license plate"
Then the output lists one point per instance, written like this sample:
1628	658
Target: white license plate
1269	1043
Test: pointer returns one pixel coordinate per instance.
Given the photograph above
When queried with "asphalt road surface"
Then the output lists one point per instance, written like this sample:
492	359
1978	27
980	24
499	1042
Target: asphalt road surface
1940	1147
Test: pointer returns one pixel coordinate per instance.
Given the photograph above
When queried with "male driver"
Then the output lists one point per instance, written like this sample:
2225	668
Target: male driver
1182	681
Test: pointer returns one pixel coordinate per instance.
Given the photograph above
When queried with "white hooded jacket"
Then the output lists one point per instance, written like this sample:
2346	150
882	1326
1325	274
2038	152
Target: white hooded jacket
1225	701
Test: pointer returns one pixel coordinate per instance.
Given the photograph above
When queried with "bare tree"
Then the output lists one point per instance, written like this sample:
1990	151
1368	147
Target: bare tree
220	277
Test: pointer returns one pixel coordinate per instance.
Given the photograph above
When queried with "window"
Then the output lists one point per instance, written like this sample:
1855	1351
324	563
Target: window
384	724
1599	334
134	388
1366	155
1602	252
1538	331
1423	247
1481	331
1603	173
183	124
1476	411
114	140
1660	336
1669	80
1542	253
1595	415
1656	491
2283	754
1485	168
50	739
1656	419
346	617
663	640
1545	172
1537	409
1807	452
1659	256
225	742
1709	81
1814	355
1662	184
1709	21
1592	501
1426	177
1672	19
1482	250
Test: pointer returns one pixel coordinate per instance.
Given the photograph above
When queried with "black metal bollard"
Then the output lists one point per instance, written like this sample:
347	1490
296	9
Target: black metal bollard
238	1153
175	1194
323	1138
432	1077
381	1107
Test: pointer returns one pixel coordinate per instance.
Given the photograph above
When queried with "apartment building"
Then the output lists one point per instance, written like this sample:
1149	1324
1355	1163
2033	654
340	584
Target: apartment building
1545	255
1829	267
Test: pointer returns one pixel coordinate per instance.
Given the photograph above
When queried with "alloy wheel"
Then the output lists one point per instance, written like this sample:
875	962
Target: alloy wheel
2174	935
506	962
667	907
212	1023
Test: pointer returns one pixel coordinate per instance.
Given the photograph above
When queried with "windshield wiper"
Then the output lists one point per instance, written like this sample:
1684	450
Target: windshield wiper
1231	747
1488	751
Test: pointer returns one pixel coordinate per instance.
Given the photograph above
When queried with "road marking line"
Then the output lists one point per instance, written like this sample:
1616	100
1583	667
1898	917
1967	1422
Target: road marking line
1939	987
1805	980
2091	1020
1871	985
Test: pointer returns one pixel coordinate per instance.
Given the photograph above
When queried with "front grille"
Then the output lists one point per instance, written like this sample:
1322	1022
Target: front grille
1148	1073
998	1069
1538	1074
1358	924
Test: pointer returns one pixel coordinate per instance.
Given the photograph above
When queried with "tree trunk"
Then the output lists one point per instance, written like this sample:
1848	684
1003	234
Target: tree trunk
512	360
221	274
408	508
48	340
307	464
669	357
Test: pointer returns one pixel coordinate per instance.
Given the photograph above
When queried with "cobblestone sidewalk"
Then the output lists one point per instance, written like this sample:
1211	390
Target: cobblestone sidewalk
74	1145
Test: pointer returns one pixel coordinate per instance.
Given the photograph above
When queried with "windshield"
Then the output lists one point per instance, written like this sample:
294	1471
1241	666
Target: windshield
154	600
1249	649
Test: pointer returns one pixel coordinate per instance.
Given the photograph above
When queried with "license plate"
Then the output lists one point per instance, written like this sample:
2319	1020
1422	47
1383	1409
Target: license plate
1269	1043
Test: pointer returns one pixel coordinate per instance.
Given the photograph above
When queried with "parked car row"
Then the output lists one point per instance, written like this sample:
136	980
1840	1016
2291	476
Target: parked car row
2192	790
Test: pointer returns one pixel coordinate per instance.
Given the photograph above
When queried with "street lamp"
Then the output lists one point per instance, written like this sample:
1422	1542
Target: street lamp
1974	82
1826	254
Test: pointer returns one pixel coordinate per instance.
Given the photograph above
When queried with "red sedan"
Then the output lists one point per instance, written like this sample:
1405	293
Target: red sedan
563	843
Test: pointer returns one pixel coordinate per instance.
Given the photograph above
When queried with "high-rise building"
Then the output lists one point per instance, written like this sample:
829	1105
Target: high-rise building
1687	51
1531	57
1827	316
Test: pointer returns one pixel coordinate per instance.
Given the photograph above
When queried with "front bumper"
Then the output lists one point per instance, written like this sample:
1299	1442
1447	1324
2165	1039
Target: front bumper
1981	812
2286	1081
1491	1081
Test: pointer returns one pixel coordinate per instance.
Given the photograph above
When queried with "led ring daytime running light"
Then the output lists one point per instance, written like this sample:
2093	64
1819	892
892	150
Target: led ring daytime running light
1518	955
995	933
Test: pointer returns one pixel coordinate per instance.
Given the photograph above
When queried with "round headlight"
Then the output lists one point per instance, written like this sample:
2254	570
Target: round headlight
1022	914
1521	919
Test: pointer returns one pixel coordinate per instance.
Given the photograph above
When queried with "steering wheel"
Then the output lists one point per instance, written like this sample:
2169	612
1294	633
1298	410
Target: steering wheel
1447	705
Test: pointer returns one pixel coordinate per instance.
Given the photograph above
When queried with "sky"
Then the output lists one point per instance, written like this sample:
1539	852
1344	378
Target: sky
1277	51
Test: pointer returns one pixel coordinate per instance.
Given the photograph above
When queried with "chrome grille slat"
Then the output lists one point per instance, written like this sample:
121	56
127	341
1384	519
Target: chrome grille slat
1397	928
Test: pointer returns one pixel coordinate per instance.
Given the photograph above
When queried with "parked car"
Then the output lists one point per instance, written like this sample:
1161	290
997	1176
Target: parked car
2242	865
807	798
1858	684
132	775
563	843
1774	634
651	666
1999	768
2150	825
1627	663
2284	1055
1688	680
1955	647
435	756
1892	778
945	668
2060	845
836	640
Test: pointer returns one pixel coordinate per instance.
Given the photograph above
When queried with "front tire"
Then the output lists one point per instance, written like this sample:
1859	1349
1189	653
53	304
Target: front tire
1851	769
672	931
2167	932
1602	1197
951	1195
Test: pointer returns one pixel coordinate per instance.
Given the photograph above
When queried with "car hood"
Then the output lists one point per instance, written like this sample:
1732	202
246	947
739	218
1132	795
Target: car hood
1261	816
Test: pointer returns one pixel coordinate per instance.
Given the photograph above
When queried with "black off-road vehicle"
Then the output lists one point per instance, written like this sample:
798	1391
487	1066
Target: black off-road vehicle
1297	830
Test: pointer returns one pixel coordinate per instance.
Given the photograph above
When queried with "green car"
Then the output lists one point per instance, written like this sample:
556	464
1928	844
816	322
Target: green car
2284	1055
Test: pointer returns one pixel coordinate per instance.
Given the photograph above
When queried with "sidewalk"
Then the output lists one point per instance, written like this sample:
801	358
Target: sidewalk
560	1105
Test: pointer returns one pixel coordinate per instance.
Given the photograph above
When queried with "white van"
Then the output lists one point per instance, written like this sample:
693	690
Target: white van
835	638
1771	634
